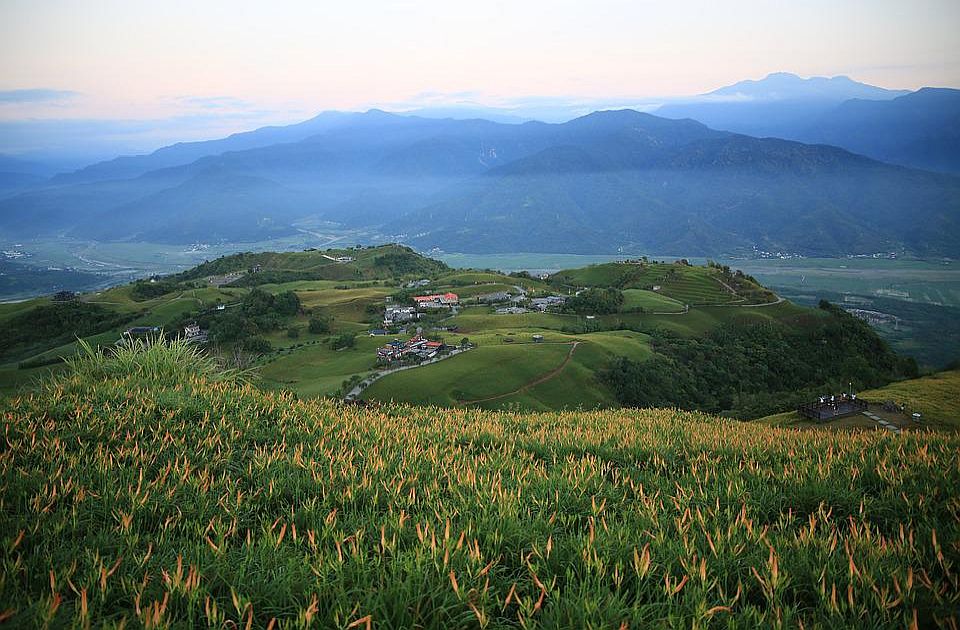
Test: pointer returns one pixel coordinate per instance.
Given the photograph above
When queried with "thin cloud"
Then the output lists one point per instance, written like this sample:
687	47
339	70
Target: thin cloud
36	95
215	102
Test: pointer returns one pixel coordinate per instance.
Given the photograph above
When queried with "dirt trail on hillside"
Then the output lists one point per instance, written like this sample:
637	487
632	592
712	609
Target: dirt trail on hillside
526	386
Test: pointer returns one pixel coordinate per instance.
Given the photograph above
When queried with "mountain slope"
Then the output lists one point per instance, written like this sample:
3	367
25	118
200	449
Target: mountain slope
718	194
210	206
126	167
607	180
921	130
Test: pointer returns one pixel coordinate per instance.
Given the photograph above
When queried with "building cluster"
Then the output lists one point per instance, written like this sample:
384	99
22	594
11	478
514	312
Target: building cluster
417	347
551	301
394	315
876	318
444	300
495	298
64	296
416	284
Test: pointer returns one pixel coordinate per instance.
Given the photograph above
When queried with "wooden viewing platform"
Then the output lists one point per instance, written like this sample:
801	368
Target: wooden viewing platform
827	410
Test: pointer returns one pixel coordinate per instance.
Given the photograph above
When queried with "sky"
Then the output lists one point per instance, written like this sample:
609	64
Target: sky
136	73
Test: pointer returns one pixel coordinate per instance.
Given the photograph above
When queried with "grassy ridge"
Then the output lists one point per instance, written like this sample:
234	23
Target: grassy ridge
936	396
143	492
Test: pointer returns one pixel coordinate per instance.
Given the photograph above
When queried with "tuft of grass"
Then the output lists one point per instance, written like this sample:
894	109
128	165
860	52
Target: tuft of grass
152	359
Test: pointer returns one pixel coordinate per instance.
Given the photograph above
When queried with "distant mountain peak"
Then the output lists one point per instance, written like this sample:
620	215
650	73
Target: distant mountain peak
785	86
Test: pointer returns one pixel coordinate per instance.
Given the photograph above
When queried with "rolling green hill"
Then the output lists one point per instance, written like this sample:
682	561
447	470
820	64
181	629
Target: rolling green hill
302	319
189	498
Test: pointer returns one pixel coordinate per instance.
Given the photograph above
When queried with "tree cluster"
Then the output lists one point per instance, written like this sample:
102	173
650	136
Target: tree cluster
751	371
595	302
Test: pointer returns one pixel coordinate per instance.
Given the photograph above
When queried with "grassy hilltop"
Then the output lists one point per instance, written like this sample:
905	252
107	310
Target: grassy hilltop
151	490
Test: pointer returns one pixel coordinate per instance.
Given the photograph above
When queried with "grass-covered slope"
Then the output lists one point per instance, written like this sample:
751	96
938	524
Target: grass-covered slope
936	396
146	491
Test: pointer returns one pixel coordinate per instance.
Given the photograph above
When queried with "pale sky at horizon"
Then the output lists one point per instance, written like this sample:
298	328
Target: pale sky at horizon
281	61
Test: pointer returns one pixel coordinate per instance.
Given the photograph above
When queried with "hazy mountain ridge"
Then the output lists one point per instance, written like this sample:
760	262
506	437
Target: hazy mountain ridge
607	180
918	129
921	129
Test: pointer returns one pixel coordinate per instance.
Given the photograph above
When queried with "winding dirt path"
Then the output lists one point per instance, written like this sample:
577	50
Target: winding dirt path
526	386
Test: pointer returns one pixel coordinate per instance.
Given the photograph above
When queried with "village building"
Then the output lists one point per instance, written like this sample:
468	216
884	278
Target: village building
511	310
415	284
142	331
219	281
445	300
830	407
494	298
192	333
551	301
415	348
394	315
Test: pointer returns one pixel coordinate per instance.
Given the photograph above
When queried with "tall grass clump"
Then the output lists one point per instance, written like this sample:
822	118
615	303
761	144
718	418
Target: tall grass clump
152	359
148	490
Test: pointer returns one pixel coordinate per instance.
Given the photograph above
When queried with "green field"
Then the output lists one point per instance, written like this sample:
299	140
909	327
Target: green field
637	299
519	374
484	372
317	370
149	490
472	320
